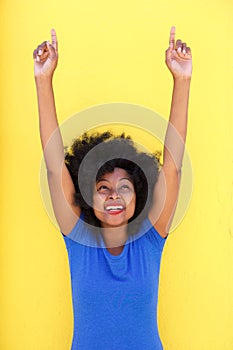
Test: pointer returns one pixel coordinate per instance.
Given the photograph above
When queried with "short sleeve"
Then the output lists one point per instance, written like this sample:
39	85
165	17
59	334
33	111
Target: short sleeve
153	236
68	238
67	242
83	234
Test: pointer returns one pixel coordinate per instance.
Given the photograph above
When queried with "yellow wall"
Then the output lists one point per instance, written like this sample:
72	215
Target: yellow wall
113	51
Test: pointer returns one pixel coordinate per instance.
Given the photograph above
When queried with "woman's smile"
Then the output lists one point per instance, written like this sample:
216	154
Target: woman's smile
114	209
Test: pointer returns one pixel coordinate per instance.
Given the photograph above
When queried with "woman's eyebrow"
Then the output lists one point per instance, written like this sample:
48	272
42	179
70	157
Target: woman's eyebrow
103	179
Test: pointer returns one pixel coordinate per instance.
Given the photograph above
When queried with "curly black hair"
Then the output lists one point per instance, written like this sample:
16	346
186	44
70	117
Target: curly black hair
91	156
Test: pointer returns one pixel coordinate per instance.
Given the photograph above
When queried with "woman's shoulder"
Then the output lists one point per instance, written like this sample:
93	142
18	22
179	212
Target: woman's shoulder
150	234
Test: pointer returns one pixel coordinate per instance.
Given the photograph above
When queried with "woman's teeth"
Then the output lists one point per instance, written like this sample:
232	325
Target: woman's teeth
114	208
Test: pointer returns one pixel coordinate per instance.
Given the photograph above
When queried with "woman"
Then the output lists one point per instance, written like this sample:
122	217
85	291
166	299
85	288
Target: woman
114	211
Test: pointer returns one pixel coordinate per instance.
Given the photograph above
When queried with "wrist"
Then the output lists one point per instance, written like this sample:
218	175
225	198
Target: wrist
43	80
181	78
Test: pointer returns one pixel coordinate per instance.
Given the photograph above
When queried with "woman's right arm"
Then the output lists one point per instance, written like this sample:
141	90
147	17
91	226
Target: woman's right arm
60	183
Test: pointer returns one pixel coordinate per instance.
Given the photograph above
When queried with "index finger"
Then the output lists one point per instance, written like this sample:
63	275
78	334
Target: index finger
172	37
54	39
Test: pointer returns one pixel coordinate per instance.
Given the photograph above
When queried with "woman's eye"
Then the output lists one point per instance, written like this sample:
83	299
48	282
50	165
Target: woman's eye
124	188
102	188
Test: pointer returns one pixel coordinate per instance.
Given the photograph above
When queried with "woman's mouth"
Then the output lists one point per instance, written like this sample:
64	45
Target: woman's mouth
114	209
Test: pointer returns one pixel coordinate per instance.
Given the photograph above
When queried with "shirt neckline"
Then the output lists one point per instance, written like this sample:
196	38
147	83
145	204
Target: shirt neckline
119	256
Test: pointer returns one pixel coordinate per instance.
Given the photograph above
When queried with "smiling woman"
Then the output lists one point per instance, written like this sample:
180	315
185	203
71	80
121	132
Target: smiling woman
127	180
104	184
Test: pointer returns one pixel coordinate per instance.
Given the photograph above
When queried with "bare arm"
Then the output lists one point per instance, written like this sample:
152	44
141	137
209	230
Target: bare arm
179	62
60	183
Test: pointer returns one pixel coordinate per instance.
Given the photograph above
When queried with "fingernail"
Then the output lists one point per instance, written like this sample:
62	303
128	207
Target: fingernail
179	49
184	51
39	52
37	58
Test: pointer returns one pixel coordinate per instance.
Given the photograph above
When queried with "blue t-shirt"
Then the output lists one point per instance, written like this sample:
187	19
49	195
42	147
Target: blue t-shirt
115	297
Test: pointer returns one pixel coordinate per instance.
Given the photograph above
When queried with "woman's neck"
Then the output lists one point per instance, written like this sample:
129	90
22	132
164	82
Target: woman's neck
114	236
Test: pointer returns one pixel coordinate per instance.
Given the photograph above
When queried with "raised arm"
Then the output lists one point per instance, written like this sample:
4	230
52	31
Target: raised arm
60	183
179	62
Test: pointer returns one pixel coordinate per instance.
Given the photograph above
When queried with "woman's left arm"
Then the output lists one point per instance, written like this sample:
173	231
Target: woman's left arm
165	196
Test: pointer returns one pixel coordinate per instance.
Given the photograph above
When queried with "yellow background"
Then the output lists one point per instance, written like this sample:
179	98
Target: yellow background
113	51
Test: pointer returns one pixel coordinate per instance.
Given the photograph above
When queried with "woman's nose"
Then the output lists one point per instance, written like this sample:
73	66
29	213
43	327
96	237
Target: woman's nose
113	194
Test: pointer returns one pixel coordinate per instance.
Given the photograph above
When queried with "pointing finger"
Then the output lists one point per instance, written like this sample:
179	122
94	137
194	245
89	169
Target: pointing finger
54	39
172	37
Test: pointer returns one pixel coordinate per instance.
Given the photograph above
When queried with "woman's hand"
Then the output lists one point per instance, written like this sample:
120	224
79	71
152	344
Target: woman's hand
46	57
178	57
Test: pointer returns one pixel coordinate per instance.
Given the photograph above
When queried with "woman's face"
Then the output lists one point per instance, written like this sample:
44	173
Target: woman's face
114	198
